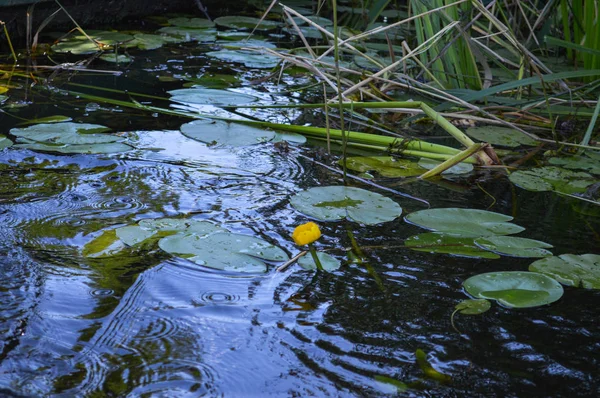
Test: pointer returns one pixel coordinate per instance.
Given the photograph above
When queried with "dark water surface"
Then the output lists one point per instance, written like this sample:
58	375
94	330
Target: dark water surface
157	326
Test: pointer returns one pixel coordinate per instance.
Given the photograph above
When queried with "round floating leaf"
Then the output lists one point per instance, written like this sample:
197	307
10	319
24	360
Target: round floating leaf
250	59
105	245
48	119
196	23
461	168
219	132
4	142
239	22
464	222
552	179
571	269
515	247
578	162
146	41
207	96
66	133
515	289
133	234
386	166
110	147
439	242
224	250
501	136
336	202
76	47
116	58
328	262
473	307
189	34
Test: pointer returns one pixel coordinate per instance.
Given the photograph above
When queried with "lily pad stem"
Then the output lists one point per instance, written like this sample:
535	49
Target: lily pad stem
313	253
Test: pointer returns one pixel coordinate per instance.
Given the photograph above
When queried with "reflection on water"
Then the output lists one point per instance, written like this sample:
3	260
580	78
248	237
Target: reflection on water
147	324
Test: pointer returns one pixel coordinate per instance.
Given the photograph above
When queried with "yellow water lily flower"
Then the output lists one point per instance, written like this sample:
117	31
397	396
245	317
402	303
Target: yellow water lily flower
306	233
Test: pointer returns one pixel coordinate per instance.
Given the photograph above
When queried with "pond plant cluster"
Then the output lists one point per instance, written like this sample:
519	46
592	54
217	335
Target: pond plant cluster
513	78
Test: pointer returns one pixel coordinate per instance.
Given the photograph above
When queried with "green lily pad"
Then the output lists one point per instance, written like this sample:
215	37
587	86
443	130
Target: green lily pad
513	246
146	41
248	23
461	168
80	44
578	163
132	235
116	58
440	242
571	269
386	166
196	23
328	262
473	307
464	222
105	245
501	136
552	179
109	147
189	34
77	47
220	132
250	59
48	119
224	250
5	142
335	203
515	289
207	96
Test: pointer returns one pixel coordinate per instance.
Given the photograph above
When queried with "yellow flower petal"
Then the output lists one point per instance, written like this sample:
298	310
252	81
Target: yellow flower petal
306	233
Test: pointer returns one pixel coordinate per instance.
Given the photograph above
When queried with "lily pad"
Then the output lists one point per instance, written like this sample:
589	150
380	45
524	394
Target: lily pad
552	179
116	58
461	168
224	250
241	22
69	138
571	269
196	23
250	59
578	163
335	203
105	245
440	242
501	136
515	289
464	222
132	235
473	307
220	132
386	166
328	262
5	142
513	246
189	34
146	41
207	96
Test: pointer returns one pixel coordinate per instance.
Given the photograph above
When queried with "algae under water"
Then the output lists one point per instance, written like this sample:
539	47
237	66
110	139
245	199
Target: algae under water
145	323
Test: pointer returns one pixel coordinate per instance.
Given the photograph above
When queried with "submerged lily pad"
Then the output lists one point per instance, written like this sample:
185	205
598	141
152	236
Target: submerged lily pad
461	168
571	269
224	250
515	289
552	179
241	22
337	202
386	166
440	242
464	222
250	59
328	262
207	96
501	136
473	307
116	58
220	132
514	246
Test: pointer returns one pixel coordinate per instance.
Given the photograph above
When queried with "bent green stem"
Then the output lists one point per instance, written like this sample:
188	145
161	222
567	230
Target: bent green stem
315	258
